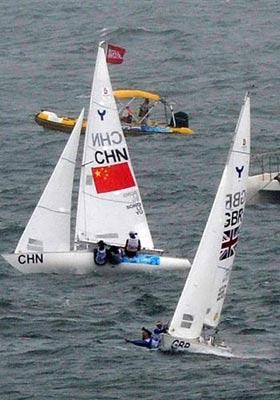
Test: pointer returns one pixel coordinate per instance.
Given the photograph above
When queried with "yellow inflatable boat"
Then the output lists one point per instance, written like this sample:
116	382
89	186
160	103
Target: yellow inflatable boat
140	112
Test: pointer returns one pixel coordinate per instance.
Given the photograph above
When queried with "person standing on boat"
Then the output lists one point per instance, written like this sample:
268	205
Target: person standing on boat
132	245
100	253
144	111
147	340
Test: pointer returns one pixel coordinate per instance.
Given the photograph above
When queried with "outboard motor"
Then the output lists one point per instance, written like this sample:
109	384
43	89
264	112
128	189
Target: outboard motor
181	120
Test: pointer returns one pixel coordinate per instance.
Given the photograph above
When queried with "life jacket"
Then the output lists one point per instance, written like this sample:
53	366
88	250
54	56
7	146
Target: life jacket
153	343
100	257
132	244
156	334
115	256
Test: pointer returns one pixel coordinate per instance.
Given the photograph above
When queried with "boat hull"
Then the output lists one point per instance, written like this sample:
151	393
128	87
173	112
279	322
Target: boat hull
264	188
81	262
66	124
175	344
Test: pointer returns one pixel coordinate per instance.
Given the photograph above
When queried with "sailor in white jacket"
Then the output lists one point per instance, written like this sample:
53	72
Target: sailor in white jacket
132	245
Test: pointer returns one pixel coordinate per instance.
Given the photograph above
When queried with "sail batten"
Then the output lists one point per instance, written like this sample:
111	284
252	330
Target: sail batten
55	211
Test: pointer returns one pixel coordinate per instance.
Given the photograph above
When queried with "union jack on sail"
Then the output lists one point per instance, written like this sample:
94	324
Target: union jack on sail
230	240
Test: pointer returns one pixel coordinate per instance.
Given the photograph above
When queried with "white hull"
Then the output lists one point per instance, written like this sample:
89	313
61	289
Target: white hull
176	344
263	184
81	262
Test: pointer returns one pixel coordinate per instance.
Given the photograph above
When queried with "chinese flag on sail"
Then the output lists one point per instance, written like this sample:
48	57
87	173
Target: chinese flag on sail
114	54
113	177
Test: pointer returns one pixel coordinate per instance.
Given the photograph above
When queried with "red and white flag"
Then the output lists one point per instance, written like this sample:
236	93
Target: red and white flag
114	54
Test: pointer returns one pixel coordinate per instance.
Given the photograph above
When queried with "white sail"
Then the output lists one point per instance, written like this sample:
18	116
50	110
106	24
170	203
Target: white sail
234	209
49	226
109	202
209	274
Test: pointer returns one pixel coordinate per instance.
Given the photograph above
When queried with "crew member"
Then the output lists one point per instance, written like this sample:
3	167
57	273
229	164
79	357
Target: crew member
144	111
115	255
127	115
132	245
160	328
100	253
147	340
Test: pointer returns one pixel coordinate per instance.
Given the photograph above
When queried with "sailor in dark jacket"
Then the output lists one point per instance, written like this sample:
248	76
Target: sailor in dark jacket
115	255
147	341
100	253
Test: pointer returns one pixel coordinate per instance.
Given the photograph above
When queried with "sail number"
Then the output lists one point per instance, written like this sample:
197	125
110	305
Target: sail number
134	202
234	217
235	199
32	258
180	344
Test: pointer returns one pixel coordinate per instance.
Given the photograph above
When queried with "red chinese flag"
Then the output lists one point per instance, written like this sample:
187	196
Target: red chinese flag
114	54
112	177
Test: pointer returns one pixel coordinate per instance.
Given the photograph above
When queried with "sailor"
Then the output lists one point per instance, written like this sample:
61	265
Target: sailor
147	340
144	111
132	245
159	328
127	115
115	255
100	253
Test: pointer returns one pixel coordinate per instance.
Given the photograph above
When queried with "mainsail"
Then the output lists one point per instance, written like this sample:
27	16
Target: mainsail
234	209
202	297
49	226
109	201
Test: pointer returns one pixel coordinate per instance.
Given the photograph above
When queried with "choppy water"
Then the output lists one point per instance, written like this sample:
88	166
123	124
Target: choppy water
62	336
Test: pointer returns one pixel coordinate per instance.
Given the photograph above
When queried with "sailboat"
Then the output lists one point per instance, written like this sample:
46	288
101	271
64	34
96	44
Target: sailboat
199	308
109	202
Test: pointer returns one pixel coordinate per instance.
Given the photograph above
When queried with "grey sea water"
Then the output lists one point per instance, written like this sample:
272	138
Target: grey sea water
62	336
